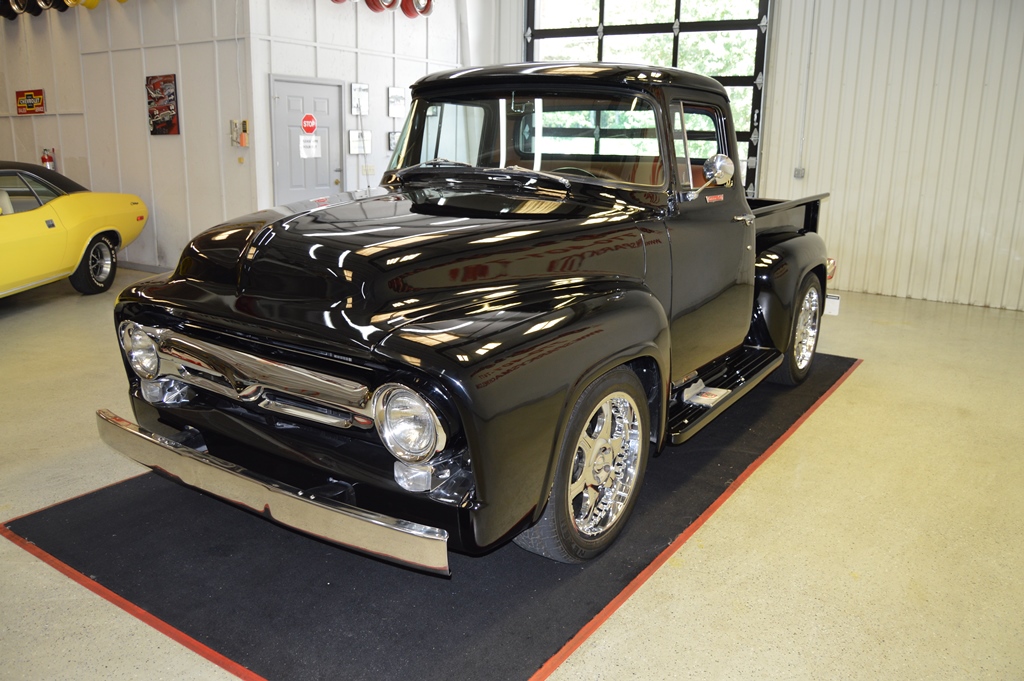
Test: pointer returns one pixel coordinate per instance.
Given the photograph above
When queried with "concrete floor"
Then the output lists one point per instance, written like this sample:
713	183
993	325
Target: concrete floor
881	541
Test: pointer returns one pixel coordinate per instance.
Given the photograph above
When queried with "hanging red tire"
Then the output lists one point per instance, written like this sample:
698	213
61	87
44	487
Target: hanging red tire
416	8
381	5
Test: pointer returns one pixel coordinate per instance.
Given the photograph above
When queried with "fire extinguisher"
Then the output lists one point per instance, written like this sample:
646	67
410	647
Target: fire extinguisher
48	159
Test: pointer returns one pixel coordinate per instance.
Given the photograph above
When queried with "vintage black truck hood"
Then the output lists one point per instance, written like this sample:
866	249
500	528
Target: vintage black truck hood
358	268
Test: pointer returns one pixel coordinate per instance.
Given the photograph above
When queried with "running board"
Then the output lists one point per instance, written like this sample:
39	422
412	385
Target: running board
738	372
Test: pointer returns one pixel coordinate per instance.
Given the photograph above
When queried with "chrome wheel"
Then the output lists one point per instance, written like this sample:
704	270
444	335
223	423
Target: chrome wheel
98	266
604	466
805	339
101	261
599	471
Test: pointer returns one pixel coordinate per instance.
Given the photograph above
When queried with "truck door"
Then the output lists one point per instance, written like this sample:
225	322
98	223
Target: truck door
712	246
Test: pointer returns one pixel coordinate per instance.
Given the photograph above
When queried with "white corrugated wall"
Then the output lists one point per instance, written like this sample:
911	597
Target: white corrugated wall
911	113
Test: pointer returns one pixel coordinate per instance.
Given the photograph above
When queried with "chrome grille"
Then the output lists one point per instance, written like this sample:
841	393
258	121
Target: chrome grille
281	388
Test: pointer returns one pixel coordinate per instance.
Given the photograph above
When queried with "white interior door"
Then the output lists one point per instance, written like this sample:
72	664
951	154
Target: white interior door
307	160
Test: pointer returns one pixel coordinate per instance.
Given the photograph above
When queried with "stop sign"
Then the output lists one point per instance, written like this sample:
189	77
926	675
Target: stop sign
309	124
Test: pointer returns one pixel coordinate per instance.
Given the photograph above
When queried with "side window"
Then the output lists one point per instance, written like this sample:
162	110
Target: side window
44	192
699	133
453	132
702	133
15	195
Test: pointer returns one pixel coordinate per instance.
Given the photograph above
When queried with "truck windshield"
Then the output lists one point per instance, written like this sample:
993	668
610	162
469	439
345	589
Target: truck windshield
611	137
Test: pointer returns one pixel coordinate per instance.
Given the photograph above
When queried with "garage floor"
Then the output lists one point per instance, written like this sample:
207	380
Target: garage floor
881	541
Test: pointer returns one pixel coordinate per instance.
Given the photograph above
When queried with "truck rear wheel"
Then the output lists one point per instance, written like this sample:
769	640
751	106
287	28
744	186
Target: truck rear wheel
803	339
600	469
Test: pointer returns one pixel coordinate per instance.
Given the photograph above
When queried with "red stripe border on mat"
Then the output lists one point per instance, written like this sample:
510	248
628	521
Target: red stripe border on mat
593	625
132	609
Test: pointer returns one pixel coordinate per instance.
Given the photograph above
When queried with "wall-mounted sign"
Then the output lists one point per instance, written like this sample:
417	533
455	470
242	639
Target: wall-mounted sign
360	99
309	146
359	141
309	124
396	102
30	102
162	97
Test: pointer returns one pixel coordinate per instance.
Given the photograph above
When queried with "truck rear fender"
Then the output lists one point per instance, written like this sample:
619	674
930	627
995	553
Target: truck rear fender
779	270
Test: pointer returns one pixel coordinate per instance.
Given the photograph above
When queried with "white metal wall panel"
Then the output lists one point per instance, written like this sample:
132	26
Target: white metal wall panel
906	111
133	157
205	152
345	42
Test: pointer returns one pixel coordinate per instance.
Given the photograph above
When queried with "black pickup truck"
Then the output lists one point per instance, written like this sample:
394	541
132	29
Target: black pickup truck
557	277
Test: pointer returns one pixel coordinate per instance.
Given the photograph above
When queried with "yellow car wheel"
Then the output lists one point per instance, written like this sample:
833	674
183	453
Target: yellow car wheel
95	273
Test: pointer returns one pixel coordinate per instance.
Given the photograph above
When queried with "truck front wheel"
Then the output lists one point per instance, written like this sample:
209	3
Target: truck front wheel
600	469
803	339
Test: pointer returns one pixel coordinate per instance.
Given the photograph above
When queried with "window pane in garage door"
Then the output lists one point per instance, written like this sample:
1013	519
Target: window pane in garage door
718	10
741	98
649	48
624	12
561	14
566	49
718	53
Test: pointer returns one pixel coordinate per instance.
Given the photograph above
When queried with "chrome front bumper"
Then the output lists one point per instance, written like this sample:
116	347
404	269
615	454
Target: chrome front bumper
392	539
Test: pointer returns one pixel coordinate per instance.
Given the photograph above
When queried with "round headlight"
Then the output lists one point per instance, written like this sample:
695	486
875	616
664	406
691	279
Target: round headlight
406	423
141	350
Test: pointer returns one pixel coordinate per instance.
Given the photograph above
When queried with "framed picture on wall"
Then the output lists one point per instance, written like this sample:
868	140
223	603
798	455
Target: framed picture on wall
162	99
396	102
360	99
359	141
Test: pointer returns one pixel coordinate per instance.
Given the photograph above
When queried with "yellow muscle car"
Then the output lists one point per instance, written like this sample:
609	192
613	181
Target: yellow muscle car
52	227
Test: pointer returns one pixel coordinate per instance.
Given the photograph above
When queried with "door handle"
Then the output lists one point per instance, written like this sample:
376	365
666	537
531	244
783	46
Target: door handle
747	218
49	224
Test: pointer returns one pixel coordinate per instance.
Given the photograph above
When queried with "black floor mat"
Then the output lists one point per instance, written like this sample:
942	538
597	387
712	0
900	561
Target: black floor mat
288	607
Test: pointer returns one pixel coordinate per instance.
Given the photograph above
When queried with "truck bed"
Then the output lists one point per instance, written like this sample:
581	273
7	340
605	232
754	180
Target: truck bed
796	215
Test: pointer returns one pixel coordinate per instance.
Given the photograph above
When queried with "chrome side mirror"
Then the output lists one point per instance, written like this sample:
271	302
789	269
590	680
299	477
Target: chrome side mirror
719	170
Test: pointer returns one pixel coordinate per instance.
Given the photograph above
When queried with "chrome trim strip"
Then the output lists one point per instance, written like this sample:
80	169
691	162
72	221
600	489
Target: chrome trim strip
246	378
275	405
393	539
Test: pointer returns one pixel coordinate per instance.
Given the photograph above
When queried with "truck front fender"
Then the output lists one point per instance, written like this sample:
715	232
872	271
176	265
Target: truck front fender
515	387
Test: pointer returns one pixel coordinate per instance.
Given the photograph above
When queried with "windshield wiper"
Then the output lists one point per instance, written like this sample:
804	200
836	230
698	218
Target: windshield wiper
440	163
519	170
